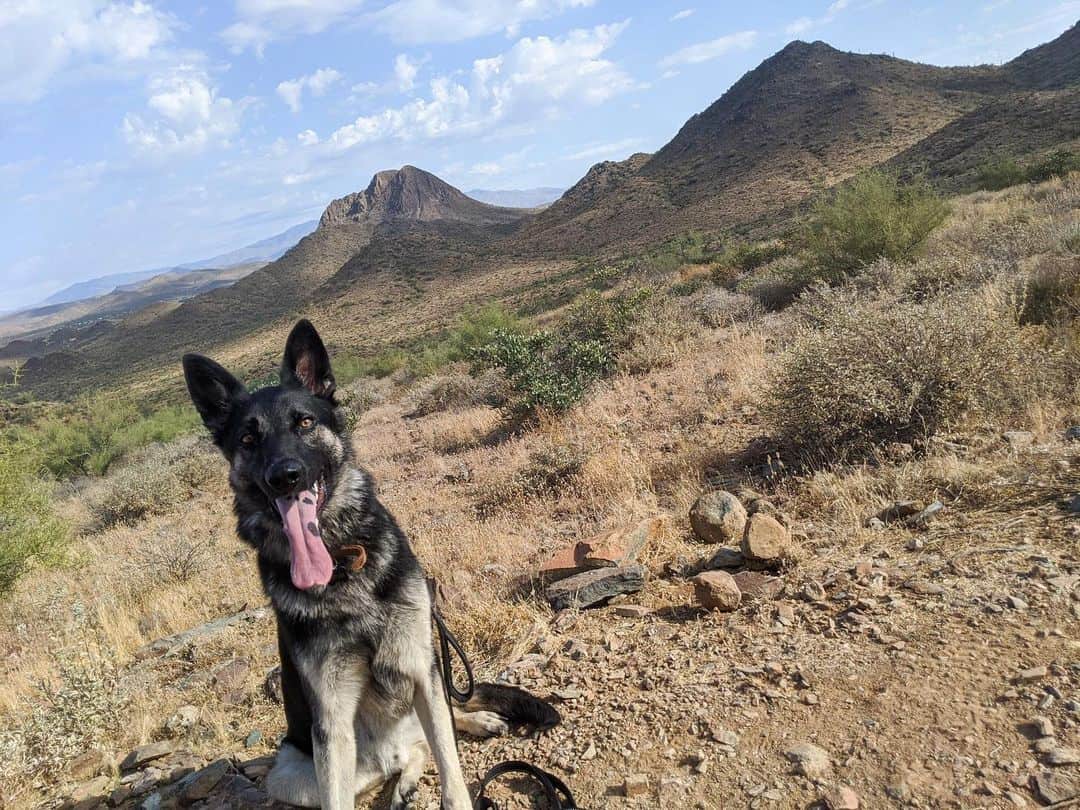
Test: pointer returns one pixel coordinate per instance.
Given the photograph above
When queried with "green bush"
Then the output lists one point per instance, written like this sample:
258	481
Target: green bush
102	430
472	329
1003	172
873	216
29	530
1056	164
1000	173
552	369
863	374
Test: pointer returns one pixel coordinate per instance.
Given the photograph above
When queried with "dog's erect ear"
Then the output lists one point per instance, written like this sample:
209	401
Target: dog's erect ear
306	362
214	391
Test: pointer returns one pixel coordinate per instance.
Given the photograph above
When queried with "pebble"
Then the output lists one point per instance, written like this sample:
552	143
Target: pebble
636	785
632	611
1031	675
841	797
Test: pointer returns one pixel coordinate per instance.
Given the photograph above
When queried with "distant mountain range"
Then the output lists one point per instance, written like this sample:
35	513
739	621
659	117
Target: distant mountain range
396	263
518	198
265	250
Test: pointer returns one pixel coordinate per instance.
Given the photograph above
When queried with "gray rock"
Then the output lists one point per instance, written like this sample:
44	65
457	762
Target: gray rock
1055	786
1073	433
809	760
1061	755
182	720
718	517
592	587
202	783
147	753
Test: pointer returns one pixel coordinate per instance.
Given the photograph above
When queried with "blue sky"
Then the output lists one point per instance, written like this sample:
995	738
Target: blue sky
142	133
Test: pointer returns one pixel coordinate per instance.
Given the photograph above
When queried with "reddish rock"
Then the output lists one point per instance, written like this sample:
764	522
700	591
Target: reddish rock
607	550
756	585
716	590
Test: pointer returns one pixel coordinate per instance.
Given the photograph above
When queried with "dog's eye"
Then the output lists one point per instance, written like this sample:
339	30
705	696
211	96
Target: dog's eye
248	439
306	422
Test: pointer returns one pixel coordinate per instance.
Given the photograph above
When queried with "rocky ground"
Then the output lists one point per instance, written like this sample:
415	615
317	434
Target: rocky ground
937	667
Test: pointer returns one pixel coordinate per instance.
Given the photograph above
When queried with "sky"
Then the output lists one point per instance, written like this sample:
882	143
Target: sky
143	133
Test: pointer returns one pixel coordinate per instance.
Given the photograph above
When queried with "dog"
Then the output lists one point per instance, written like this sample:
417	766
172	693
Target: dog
363	697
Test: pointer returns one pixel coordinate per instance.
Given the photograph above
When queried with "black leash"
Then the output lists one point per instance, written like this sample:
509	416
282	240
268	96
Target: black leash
554	789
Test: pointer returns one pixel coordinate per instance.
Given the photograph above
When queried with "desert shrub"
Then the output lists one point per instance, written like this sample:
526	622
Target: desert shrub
872	216
1071	240
654	337
442	392
471	330
103	429
551	369
1003	172
349	367
999	173
359	396
69	715
550	469
175	557
863	374
778	284
30	532
718	307
1051	293
1056	164
161	477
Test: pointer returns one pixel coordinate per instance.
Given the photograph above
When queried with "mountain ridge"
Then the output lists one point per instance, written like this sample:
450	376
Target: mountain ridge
808	117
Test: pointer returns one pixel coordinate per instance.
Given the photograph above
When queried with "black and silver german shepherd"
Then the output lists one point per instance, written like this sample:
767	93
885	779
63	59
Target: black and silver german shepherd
363	696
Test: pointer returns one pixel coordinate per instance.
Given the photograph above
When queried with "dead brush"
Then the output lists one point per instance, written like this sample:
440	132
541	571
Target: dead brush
74	711
862	374
176	558
551	468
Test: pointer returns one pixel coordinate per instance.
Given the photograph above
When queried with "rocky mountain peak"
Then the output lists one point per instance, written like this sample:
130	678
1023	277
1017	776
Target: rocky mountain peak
412	194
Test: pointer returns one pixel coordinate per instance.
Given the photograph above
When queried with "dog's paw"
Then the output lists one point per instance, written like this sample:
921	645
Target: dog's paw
482	724
405	799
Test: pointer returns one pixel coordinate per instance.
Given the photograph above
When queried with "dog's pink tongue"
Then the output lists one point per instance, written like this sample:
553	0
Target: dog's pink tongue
311	563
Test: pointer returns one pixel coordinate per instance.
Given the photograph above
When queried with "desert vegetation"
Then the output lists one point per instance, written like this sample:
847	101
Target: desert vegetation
887	371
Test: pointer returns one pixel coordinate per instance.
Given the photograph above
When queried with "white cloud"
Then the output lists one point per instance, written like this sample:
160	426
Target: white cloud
422	21
308	137
260	22
616	150
292	90
41	40
804	24
405	71
714	48
796	27
537	76
189	114
681	15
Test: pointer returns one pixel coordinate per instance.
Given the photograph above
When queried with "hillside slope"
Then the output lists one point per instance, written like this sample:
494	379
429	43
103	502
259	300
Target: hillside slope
806	118
394	201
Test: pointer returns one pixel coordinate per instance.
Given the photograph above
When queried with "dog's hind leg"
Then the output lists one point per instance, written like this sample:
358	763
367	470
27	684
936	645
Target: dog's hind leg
404	795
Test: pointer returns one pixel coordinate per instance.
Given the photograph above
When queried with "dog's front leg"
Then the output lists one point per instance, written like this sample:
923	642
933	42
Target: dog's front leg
435	717
334	695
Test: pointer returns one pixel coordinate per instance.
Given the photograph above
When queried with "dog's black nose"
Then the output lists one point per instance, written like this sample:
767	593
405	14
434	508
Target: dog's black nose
283	476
